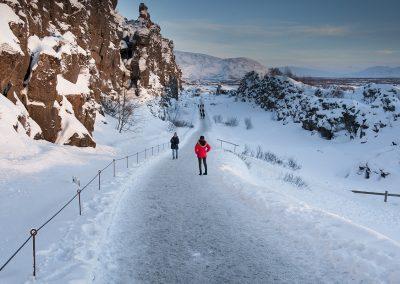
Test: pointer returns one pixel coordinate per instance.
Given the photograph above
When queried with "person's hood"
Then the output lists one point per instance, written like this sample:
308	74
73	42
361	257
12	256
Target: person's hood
202	143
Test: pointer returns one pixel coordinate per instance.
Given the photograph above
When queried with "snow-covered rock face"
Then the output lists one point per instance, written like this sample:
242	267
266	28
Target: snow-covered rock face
198	67
358	114
60	57
57	58
147	55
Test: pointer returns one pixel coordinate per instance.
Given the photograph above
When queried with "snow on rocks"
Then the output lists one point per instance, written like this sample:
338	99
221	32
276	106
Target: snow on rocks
361	113
15	126
66	87
148	55
72	130
8	41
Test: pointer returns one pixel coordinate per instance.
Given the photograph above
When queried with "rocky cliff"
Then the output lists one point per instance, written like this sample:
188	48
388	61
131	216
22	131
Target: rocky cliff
147	55
58	58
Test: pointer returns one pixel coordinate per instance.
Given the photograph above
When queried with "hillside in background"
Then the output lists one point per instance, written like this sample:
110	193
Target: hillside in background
206	68
371	72
378	72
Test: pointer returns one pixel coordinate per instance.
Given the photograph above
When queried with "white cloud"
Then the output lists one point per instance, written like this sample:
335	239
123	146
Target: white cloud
197	27
386	51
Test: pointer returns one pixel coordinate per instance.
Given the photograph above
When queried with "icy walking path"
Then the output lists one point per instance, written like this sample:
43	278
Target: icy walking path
174	226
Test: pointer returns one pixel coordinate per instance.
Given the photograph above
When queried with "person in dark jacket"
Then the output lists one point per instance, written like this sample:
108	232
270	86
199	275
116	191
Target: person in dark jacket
175	146
201	149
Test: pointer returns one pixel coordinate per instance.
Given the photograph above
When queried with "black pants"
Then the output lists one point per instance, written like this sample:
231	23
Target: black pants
205	164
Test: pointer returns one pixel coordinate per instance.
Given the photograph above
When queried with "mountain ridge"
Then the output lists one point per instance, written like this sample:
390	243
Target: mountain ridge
204	67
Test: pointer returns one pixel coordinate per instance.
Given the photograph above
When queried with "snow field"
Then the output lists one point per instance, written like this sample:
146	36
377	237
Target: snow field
354	231
37	181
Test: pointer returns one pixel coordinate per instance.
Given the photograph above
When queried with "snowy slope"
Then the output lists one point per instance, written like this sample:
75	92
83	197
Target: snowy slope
329	168
202	67
36	181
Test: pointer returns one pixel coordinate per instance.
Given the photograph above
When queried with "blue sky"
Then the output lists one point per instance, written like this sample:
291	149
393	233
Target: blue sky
335	35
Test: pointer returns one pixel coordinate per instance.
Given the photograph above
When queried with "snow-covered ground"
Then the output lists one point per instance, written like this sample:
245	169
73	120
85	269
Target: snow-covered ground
247	211
329	168
36	181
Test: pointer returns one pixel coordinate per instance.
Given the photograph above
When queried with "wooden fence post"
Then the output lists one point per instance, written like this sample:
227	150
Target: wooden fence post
114	166
127	161
386	195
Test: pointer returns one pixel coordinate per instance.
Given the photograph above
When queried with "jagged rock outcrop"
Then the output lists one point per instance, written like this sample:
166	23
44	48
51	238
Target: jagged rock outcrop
357	113
148	56
58	58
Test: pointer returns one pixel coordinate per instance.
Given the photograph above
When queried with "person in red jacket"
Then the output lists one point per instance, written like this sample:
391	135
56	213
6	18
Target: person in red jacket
201	149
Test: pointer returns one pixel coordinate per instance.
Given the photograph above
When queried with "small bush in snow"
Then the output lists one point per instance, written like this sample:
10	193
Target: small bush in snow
295	180
247	151
293	164
270	158
259	153
232	122
248	123
182	123
217	118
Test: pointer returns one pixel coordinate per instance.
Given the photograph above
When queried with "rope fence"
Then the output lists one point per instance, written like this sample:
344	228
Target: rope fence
34	232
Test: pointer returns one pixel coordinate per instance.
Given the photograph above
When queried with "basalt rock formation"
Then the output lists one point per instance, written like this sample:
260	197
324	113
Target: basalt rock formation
148	56
359	113
58	58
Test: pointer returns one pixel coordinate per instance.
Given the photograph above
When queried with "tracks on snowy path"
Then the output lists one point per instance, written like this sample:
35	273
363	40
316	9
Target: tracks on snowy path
176	226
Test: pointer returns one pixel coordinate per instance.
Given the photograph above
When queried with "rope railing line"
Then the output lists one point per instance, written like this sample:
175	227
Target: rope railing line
58	212
79	191
89	183
106	167
15	253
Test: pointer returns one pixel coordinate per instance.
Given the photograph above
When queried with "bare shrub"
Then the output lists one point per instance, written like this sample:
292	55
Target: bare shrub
182	123
217	118
172	113
124	109
232	122
248	123
293	164
247	150
271	158
295	180
259	152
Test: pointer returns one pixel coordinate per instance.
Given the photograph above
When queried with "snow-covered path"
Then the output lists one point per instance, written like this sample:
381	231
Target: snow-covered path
176	226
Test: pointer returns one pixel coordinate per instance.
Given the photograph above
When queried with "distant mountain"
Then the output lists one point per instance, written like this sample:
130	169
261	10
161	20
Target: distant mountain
310	72
203	67
371	72
378	72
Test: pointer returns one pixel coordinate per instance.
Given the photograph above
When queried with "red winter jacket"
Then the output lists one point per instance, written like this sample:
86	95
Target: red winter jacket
202	148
